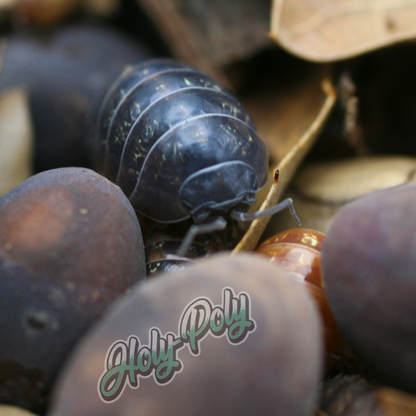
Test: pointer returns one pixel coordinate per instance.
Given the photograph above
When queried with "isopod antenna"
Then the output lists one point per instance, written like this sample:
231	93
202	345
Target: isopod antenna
286	203
217	224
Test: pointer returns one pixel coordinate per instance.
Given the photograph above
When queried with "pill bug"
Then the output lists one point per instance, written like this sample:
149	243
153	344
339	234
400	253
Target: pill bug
179	145
299	251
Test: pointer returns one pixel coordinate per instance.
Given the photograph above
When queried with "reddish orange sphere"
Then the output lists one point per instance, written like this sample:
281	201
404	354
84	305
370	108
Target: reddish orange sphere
299	251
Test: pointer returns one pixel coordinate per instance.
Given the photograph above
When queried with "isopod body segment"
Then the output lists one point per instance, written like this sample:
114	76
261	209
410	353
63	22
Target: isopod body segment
178	143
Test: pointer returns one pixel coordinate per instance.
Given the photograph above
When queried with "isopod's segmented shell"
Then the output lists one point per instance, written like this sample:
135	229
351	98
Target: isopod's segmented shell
160	123
131	77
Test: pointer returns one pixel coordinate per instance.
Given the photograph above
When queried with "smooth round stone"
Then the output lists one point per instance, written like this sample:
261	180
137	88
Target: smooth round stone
273	369
70	243
369	266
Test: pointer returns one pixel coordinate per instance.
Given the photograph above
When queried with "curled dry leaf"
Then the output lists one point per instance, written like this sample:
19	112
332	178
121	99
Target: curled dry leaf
328	30
320	189
16	139
289	123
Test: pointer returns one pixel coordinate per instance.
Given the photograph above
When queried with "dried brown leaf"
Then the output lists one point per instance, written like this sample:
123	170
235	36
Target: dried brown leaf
322	188
214	33
284	112
329	30
289	124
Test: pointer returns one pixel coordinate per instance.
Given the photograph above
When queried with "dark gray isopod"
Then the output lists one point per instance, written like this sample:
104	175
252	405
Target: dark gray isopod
178	144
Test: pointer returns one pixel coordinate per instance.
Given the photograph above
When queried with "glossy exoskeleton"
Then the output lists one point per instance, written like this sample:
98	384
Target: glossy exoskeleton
299	252
178	143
